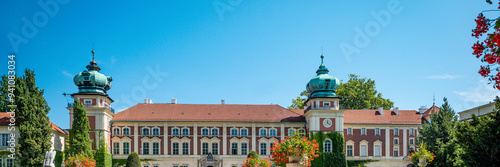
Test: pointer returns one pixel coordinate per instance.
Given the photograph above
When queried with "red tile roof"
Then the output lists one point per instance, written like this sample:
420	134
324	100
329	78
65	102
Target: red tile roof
433	109
388	117
208	112
5	121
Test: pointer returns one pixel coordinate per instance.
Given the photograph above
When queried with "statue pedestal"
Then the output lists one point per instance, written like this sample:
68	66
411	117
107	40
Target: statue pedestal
294	165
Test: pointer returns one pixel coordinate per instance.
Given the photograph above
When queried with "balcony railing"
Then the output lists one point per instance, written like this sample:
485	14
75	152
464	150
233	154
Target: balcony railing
93	106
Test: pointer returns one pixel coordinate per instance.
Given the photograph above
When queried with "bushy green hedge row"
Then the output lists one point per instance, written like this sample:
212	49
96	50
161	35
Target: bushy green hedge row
353	163
103	159
336	158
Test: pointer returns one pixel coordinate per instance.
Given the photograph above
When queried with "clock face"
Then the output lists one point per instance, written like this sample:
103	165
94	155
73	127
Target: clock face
327	123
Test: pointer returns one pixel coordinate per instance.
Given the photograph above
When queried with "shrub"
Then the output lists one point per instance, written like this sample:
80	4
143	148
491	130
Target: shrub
58	160
254	161
294	146
133	160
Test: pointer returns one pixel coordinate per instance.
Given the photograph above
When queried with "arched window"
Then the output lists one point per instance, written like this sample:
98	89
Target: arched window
290	132
272	132
215	132
302	132
185	131
145	131
327	146
156	131
126	131
234	132
116	131
244	132
175	131
263	132
204	132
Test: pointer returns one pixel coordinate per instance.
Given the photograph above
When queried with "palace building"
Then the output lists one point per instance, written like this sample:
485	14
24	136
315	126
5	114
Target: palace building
216	135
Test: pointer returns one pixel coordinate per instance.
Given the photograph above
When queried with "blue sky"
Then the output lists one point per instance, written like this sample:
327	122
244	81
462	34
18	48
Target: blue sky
248	52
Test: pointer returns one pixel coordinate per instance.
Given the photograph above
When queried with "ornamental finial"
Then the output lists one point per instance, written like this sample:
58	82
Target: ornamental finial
93	52
322	59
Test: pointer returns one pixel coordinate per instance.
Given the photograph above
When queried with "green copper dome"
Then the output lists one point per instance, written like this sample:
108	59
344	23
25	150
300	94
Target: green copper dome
322	85
92	81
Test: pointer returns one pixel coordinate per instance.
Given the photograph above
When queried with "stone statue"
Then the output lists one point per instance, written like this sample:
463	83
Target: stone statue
48	161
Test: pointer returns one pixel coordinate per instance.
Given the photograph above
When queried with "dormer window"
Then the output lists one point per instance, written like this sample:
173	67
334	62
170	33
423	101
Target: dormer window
86	78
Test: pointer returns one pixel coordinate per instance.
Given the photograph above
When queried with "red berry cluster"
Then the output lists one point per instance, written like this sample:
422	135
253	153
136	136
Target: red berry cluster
488	50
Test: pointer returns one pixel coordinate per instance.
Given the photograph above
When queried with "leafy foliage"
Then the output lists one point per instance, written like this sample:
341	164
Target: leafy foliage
256	162
101	155
438	136
79	140
299	102
59	159
133	160
31	117
337	156
80	160
422	153
479	140
361	163
294	145
360	93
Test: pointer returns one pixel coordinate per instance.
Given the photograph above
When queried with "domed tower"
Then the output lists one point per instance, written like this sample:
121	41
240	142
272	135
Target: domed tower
322	106
92	88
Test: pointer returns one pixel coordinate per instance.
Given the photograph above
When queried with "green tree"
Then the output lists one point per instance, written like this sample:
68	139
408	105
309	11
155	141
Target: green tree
299	102
79	140
360	93
133	160
479	140
31	117
438	135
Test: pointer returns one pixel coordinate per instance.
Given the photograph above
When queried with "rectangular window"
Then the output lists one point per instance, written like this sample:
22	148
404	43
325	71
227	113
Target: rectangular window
363	150
377	151
396	141
349	150
156	148
349	131
411	142
5	138
411	132
175	148
116	148
10	162
363	131
234	148
145	148
396	152
87	101
326	104
396	131
263	148
185	148
204	148
244	148
377	131
215	148
126	148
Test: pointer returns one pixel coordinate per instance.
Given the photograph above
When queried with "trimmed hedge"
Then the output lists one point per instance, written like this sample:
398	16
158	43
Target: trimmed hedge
103	159
352	163
133	160
59	159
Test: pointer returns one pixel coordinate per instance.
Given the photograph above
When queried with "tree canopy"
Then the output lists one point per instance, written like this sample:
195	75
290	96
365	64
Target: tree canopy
360	93
299	102
79	140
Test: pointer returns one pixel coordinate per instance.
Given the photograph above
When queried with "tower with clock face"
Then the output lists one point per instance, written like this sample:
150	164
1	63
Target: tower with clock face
322	106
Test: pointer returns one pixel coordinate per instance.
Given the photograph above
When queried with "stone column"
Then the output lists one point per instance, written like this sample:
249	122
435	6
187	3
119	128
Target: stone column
136	138
224	139
282	134
195	139
405	142
165	138
254	137
387	143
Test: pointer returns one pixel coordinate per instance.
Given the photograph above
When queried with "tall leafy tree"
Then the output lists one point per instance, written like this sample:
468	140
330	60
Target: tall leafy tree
360	93
479	140
299	102
79	140
33	124
438	136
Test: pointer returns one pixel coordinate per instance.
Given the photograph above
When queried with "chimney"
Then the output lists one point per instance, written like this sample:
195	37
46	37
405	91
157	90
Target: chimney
174	101
396	110
148	101
223	101
422	109
380	110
